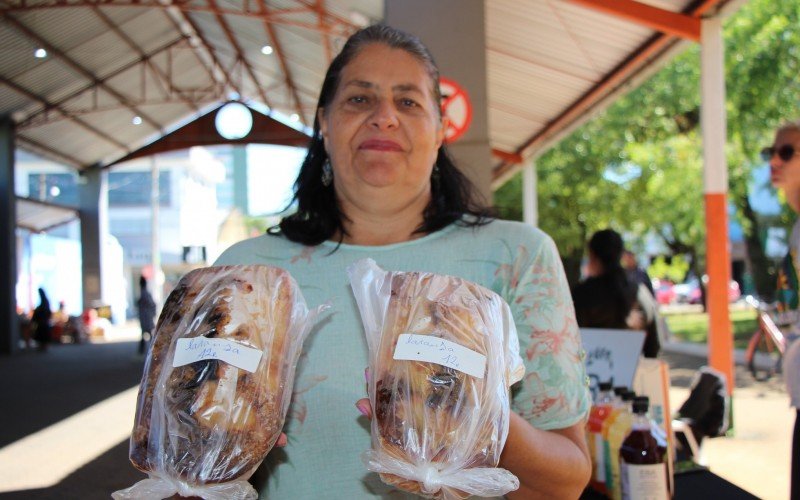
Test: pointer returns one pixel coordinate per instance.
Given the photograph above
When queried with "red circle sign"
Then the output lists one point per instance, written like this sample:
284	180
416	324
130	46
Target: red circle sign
456	108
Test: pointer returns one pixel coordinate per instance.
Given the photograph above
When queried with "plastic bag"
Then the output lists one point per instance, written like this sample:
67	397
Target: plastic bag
443	353
217	382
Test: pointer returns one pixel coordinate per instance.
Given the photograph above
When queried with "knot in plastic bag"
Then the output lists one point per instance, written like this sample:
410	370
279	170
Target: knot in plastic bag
431	480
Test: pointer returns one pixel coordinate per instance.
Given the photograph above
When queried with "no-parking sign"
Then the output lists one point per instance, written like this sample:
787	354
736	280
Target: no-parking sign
456	108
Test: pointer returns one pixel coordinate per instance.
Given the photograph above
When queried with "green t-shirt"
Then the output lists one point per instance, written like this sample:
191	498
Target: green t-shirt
326	432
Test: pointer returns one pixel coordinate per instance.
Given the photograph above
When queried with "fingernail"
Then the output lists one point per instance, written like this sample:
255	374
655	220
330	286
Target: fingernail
362	409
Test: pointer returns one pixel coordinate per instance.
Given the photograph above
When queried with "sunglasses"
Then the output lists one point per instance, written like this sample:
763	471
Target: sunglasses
785	152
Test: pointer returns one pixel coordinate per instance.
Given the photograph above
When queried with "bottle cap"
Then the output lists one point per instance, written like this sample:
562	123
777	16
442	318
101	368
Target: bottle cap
604	386
620	390
628	395
640	404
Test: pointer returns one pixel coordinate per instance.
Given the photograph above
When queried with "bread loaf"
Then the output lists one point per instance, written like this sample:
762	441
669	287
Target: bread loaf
210	421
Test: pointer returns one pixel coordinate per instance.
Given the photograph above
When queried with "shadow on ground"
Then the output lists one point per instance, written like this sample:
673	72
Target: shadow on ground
43	388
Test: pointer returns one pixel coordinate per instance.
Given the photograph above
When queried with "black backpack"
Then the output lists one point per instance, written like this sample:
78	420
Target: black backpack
707	408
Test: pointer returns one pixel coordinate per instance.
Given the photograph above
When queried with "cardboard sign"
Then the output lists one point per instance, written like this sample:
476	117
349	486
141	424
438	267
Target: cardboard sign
611	355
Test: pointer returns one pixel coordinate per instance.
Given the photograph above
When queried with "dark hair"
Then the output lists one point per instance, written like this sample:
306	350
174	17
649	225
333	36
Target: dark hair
607	246
142	282
319	217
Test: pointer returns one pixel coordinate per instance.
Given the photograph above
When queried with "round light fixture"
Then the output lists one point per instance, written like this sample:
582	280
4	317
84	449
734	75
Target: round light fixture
234	121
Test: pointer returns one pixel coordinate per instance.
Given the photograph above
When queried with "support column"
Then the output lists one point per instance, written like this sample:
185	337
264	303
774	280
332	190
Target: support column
713	122
530	195
454	31
9	327
94	227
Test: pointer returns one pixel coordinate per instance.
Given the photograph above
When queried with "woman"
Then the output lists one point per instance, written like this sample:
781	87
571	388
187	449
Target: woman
608	299
784	162
41	321
377	183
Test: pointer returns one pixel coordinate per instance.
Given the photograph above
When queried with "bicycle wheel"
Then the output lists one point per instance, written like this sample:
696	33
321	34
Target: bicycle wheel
763	358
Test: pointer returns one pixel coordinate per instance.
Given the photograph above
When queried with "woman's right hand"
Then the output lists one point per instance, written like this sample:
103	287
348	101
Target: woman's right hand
363	404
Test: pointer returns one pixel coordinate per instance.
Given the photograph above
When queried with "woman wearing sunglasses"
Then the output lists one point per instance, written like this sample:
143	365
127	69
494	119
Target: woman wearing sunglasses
784	163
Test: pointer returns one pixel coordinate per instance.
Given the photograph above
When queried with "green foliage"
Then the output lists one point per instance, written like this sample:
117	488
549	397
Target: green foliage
674	271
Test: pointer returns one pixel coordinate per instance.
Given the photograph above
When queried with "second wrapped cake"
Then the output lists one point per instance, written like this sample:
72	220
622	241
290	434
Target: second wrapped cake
443	354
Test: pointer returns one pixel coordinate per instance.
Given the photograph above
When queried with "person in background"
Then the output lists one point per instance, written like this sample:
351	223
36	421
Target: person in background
608	299
25	326
377	182
784	162
635	273
41	319
147	314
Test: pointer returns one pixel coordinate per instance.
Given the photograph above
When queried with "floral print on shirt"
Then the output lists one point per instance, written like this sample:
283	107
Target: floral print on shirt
554	392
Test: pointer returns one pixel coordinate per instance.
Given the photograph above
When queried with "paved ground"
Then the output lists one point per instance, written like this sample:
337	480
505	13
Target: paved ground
67	414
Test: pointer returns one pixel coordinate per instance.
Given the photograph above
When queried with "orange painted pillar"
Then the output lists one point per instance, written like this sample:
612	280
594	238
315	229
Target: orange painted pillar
715	177
718	268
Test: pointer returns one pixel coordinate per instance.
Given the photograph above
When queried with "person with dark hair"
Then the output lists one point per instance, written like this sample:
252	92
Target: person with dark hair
784	161
635	273
607	298
41	321
147	314
377	182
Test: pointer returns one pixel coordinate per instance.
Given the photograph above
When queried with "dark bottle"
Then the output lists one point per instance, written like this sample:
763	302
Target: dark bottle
643	458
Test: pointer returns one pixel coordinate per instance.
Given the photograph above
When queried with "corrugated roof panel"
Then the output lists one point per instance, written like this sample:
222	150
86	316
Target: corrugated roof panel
505	129
103	55
17	52
65	28
11	101
64	136
150	30
51	79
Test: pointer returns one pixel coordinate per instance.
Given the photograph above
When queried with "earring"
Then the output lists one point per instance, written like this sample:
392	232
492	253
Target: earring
435	177
327	173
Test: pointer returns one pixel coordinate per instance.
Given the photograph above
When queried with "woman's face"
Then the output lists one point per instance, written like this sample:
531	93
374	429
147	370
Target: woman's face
382	130
786	174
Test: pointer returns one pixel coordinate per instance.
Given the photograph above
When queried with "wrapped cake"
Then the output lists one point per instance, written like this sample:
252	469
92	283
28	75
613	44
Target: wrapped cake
217	381
443	353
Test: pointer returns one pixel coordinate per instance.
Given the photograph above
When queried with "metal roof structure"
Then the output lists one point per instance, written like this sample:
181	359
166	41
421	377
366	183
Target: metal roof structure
38	216
88	82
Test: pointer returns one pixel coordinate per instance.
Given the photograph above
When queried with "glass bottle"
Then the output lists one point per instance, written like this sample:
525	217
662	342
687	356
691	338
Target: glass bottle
601	409
643	459
617	431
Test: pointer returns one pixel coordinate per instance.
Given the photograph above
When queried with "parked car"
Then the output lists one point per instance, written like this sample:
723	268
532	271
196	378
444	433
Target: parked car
689	292
665	291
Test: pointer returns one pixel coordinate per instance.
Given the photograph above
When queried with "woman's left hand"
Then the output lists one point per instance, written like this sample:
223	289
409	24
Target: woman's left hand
364	407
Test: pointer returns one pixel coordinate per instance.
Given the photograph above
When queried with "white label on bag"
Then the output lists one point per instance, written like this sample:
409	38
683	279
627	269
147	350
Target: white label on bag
191	350
440	351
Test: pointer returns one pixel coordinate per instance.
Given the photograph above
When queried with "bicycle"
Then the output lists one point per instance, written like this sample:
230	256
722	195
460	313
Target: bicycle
767	341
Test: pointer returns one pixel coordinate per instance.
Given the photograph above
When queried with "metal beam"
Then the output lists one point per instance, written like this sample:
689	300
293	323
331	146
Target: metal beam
81	70
326	39
287	74
190	29
665	21
339	26
238	49
146	59
29	119
48	105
